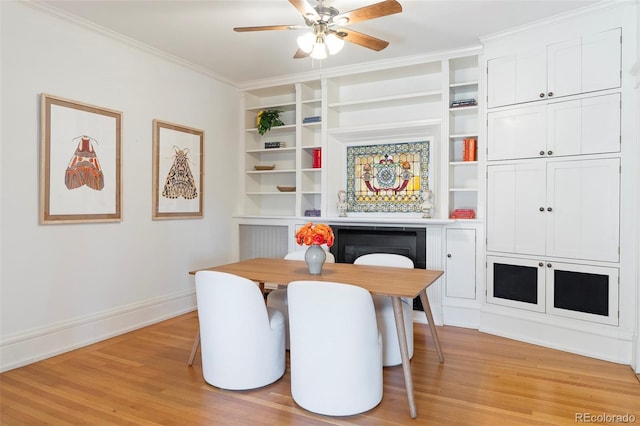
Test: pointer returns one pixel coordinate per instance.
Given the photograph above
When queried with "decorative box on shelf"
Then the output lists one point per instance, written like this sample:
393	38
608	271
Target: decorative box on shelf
463	103
463	214
312	212
272	145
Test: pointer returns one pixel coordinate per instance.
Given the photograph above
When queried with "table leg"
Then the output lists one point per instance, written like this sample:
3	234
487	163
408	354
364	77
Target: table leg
404	353
194	350
432	325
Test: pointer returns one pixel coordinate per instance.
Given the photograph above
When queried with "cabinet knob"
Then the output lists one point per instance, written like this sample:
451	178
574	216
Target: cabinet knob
540	264
542	95
549	265
541	209
550	152
550	94
549	209
541	152
448	254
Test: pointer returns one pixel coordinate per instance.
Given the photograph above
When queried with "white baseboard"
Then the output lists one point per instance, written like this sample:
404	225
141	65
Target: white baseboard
595	341
38	344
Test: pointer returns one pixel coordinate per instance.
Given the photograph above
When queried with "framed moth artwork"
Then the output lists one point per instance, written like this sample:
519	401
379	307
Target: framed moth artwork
178	161
80	159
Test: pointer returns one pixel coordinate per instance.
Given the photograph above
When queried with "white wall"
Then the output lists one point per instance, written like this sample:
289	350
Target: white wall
65	286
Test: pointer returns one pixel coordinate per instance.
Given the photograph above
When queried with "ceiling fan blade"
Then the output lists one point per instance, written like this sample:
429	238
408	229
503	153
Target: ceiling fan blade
376	10
300	54
362	39
305	9
269	28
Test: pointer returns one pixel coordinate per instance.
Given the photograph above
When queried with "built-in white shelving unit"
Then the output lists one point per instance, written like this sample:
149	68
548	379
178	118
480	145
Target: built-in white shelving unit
463	125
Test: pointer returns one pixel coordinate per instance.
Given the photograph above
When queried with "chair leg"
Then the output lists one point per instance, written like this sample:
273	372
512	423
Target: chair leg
194	350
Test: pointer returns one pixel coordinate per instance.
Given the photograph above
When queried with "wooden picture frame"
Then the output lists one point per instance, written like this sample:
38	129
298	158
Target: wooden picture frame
178	171
80	162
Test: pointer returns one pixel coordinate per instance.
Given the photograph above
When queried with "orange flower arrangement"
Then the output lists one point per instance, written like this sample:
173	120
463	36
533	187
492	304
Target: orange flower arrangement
317	234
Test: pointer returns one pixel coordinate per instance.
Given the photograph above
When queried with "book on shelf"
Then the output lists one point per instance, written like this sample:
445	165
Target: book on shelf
470	149
463	103
278	144
311	119
462	214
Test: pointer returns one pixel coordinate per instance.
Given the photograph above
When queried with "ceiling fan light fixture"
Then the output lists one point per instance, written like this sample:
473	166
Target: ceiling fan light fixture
334	43
319	48
306	42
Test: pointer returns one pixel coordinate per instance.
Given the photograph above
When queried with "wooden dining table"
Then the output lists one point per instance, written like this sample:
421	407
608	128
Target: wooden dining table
379	280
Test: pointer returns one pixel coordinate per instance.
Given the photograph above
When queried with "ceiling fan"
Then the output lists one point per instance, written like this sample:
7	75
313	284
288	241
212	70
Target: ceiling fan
326	23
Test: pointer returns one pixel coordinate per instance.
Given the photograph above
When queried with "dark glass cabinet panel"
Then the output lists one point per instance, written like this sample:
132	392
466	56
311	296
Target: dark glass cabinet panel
515	282
581	292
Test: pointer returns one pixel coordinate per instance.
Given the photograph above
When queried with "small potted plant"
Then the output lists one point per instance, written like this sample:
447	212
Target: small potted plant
268	118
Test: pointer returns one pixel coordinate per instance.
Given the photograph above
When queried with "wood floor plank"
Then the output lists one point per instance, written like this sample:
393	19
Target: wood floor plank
142	377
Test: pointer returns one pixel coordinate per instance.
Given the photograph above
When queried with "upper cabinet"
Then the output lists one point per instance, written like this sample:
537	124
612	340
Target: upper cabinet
588	125
586	64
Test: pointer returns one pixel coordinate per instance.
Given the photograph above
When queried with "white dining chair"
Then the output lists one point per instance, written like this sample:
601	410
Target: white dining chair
277	299
384	309
242	341
336	348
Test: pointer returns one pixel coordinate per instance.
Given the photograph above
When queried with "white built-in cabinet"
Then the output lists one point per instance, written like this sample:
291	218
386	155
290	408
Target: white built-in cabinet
292	185
567	209
581	65
553	175
460	263
588	125
463	124
545	286
405	103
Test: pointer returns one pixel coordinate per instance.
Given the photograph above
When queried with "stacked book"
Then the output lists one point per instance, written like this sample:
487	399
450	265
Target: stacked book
270	145
463	214
312	119
470	149
463	103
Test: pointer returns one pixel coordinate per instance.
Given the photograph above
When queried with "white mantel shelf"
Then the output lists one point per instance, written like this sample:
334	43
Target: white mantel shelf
413	221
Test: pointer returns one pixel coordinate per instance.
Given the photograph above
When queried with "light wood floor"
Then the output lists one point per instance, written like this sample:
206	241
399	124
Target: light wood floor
143	378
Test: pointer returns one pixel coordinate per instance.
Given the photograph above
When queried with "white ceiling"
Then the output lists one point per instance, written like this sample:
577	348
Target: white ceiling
201	31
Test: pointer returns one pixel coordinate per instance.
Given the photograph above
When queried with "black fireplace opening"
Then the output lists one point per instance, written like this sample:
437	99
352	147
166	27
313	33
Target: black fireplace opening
352	242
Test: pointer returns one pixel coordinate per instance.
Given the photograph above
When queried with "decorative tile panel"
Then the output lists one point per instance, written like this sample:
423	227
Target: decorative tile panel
387	178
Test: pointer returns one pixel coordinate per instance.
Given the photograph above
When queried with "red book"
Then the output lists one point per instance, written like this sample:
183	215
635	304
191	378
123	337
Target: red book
317	158
471	150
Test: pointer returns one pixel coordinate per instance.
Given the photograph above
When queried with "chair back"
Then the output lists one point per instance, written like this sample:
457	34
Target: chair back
299	255
336	348
236	329
385	259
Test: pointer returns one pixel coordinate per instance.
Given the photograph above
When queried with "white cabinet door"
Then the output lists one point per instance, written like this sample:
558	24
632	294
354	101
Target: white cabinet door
564	74
583	212
515	282
584	292
461	263
601	60
581	65
517	133
584	126
516	78
516	208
